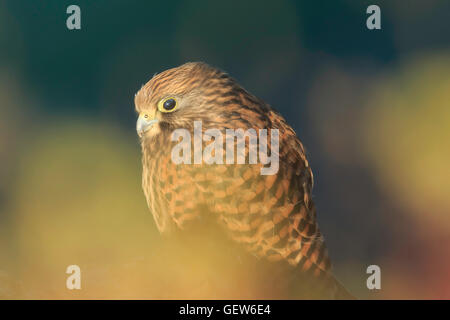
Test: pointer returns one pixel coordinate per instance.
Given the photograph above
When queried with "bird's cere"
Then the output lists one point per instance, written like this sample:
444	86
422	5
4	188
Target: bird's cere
216	146
144	123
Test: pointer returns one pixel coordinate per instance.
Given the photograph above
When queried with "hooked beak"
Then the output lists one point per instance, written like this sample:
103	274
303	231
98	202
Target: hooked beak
144	123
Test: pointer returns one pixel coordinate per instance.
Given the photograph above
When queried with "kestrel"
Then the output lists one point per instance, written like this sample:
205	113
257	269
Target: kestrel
271	215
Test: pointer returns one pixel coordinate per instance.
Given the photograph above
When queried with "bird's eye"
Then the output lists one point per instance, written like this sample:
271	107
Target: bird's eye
167	105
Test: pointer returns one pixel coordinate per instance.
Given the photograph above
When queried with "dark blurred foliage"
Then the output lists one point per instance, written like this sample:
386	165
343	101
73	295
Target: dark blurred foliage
370	106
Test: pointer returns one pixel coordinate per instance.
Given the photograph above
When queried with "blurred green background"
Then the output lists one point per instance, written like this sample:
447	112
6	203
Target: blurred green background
372	108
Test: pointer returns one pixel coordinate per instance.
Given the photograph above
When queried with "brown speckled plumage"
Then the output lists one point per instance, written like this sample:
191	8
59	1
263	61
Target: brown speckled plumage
272	216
